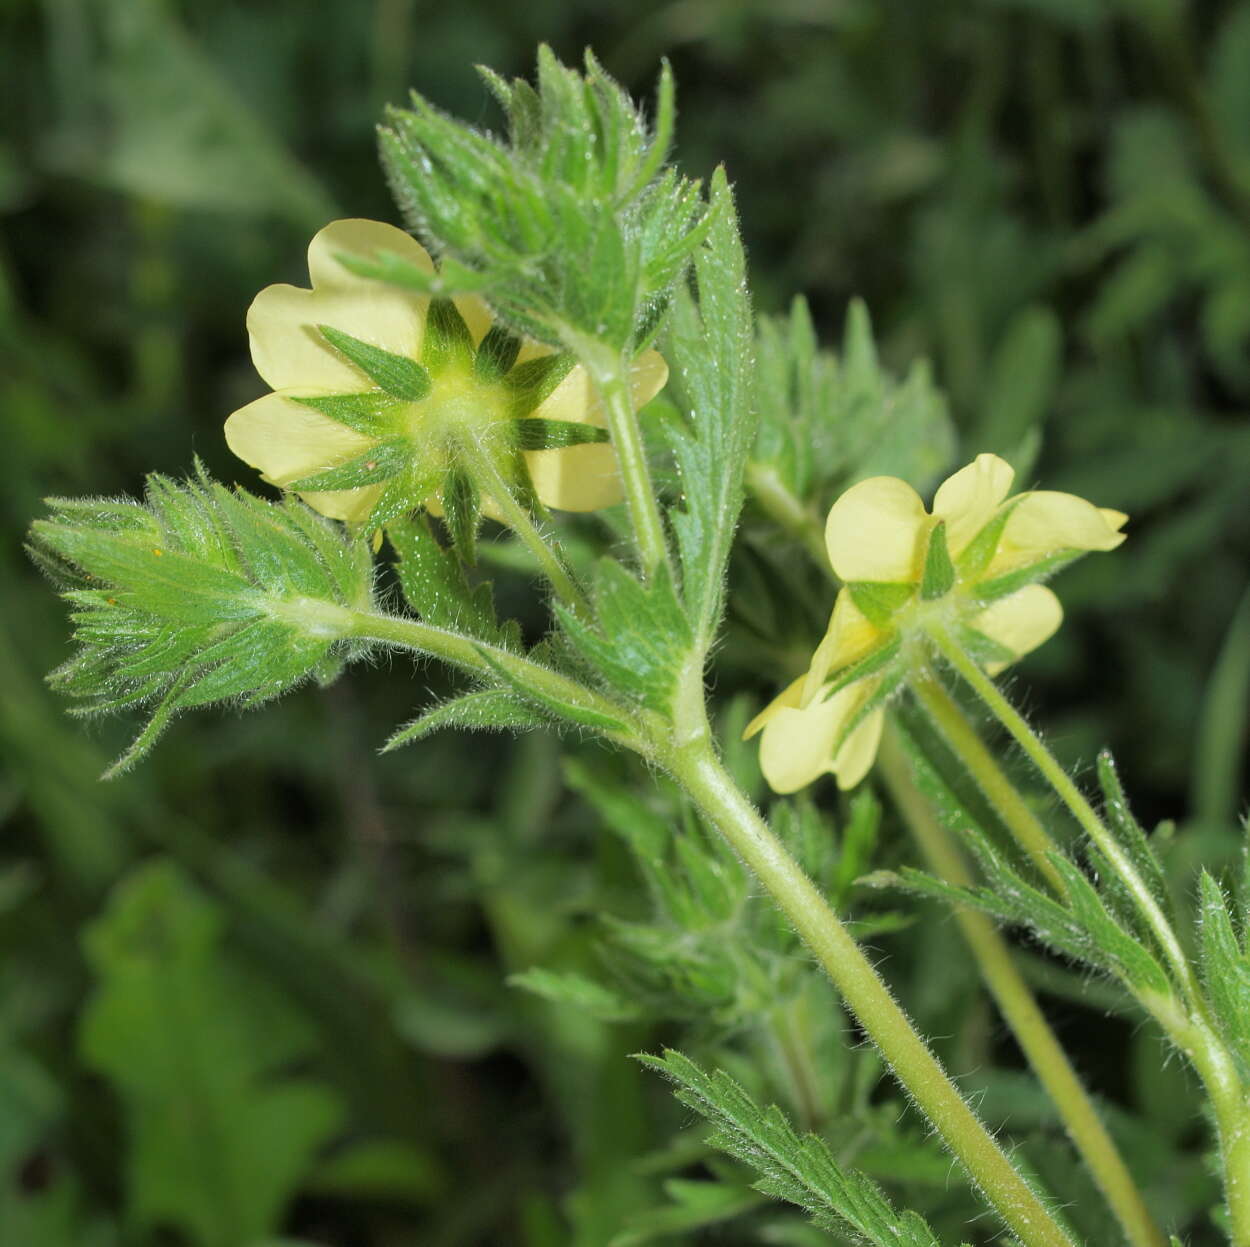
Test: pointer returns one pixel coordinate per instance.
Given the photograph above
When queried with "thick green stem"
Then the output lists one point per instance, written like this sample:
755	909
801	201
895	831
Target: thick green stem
518	518
1002	794
1019	1008
610	372
716	794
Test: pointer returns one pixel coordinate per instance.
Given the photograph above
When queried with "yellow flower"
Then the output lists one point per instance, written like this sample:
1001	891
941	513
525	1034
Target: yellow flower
972	567
376	388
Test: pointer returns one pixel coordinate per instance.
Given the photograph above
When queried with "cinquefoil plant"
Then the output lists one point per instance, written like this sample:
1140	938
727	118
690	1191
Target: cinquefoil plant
577	272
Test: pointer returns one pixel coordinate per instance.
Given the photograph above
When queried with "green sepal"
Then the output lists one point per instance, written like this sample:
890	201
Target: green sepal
379	463
984	649
939	571
462	509
1011	582
496	354
537	433
584	716
530	384
363	413
866	666
399	376
879	600
492	709
890	684
448	341
976	555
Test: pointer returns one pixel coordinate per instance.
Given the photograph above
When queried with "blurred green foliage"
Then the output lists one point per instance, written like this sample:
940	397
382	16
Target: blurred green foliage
268	929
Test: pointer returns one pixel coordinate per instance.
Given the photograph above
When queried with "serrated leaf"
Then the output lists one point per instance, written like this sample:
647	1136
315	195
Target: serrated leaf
194	1048
491	710
709	347
800	1170
640	639
1225	970
201	595
434	583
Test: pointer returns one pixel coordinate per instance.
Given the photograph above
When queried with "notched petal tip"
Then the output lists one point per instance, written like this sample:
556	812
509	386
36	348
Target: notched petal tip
968	500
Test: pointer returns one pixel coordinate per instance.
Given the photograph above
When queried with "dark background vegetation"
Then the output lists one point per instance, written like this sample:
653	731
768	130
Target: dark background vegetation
1049	199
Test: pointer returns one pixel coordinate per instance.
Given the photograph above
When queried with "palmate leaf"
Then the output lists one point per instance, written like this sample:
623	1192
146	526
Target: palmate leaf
640	638
709	345
194	1048
572	221
199	595
798	1169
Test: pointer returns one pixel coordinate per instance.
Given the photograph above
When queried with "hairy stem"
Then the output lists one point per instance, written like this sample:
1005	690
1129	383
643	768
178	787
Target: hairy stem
1074	799
1019	1008
518	518
610	372
1002	794
477	657
1191	1028
709	784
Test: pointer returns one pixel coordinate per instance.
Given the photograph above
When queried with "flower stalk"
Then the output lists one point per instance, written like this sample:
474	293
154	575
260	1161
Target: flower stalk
1018	1006
1002	794
610	373
727	808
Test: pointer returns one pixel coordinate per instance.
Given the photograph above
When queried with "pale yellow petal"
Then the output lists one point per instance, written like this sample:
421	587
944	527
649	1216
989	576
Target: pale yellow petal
875	530
289	351
476	315
797	745
788	698
1045	522
1115	519
585	478
287	440
1021	621
849	637
351	505
362	240
967	501
859	750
